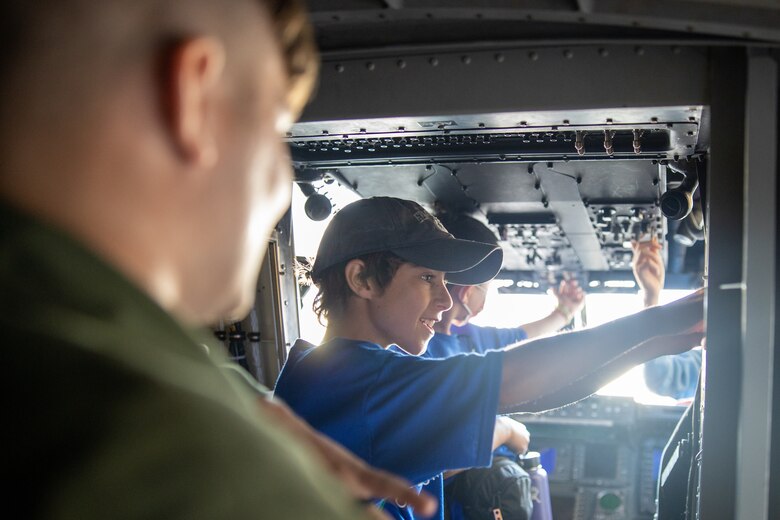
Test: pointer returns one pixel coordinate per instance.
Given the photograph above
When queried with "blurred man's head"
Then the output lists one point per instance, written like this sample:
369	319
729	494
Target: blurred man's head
150	130
468	300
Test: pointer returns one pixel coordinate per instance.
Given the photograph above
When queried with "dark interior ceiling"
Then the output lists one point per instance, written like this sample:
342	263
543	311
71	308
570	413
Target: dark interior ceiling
560	124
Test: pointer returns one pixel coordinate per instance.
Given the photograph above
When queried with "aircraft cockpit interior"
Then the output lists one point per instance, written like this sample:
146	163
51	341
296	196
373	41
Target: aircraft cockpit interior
571	129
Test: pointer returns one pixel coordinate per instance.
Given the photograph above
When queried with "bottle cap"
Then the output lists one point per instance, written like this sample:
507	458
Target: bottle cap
530	460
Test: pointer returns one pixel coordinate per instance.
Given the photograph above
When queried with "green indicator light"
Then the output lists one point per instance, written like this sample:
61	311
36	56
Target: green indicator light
610	502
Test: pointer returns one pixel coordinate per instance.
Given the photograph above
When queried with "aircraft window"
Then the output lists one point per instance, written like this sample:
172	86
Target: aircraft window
307	234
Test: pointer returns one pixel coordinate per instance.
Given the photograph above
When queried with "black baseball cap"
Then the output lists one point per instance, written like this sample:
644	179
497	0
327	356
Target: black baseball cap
465	227
406	229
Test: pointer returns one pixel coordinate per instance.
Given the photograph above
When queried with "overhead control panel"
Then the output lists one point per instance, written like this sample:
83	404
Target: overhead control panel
565	192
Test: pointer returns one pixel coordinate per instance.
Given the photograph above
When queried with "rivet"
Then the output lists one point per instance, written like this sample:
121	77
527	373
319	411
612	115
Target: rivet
499	58
568	54
639	50
339	68
433	61
676	49
465	60
401	64
533	55
603	52
370	65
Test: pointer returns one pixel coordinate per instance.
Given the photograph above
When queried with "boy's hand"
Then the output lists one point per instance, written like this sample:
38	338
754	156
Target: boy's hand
512	434
570	297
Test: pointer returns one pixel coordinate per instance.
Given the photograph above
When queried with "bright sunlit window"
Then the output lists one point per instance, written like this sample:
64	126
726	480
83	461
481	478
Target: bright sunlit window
307	235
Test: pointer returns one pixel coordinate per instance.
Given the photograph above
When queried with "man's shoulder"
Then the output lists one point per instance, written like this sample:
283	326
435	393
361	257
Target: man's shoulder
125	438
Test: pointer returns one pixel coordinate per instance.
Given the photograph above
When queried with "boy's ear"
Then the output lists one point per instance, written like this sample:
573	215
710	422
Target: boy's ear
362	287
461	293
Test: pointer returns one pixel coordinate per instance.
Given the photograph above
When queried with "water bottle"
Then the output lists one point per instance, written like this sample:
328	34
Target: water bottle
540	488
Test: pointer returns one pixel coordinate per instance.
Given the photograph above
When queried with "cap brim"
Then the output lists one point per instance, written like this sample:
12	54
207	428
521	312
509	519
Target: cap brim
486	270
466	262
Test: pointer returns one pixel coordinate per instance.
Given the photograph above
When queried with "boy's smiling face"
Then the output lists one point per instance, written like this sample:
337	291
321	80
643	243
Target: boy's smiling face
406	310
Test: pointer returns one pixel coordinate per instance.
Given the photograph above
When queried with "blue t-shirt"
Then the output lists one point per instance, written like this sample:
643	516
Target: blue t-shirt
474	338
674	376
411	416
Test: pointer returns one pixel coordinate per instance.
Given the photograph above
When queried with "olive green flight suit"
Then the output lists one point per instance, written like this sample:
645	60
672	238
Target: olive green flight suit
114	411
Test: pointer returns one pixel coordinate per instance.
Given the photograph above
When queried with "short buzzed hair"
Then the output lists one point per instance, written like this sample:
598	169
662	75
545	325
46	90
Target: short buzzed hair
33	30
296	37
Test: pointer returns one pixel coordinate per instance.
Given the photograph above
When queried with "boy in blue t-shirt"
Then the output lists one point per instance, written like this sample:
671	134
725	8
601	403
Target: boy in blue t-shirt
455	335
380	270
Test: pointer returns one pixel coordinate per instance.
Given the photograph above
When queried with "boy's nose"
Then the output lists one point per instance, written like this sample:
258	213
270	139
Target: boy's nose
443	299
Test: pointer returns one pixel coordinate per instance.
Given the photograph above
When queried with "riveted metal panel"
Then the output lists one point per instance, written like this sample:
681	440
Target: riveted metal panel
511	80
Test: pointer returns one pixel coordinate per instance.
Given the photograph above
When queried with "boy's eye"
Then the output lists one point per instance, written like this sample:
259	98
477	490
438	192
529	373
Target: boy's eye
428	278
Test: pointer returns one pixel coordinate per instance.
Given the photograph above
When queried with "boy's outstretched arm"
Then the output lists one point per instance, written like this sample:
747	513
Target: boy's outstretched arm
570	299
542	368
591	383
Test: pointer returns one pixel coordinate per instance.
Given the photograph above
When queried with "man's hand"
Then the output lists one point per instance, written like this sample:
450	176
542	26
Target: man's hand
362	481
648	267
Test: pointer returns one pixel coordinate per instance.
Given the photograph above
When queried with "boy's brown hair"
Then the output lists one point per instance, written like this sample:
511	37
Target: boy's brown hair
334	292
